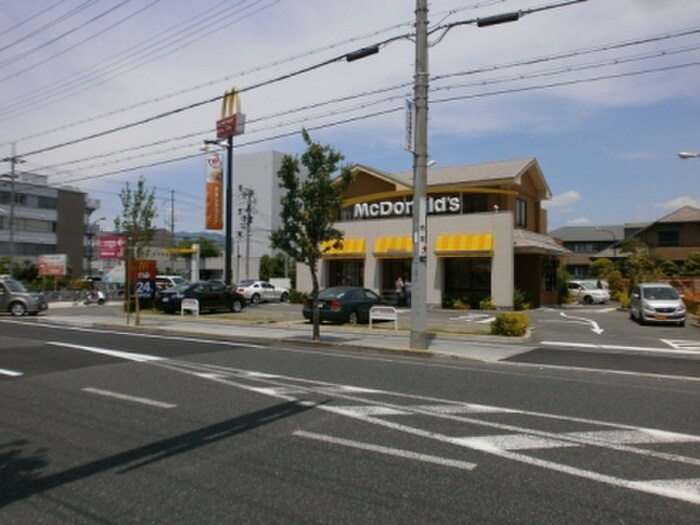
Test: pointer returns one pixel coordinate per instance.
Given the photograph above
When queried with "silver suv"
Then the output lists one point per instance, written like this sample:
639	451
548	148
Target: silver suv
657	303
17	300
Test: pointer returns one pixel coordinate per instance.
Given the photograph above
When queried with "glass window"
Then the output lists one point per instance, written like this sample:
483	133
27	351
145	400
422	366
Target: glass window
520	212
669	238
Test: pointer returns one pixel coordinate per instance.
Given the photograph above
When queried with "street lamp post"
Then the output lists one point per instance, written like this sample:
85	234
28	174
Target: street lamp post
13	160
614	245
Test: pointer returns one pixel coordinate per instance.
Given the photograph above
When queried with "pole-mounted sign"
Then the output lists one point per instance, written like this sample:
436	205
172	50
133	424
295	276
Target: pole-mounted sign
232	121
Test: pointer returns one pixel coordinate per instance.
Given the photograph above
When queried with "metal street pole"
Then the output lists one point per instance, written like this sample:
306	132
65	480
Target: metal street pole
229	210
419	290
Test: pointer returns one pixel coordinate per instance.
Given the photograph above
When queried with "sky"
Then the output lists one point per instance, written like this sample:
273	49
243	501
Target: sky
604	94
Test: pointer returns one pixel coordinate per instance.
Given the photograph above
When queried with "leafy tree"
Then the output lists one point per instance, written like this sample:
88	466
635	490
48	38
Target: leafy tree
136	221
691	266
309	209
600	268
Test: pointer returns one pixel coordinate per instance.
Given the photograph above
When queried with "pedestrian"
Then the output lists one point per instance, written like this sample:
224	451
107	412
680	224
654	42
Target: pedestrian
399	291
407	293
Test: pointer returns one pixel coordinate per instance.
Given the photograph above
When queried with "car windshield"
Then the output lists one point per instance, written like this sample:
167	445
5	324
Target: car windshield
333	293
660	292
246	282
15	286
179	287
589	286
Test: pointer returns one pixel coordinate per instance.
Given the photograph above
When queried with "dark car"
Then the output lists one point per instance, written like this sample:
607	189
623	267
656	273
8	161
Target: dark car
212	296
344	304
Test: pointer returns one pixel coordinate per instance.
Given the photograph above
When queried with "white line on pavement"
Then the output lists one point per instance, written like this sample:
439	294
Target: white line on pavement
406	454
618	347
11	373
135	399
119	354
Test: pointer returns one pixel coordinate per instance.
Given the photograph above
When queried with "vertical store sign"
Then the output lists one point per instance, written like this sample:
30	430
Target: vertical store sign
214	219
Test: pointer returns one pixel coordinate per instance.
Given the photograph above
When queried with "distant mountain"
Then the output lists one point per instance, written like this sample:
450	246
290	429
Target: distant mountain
217	238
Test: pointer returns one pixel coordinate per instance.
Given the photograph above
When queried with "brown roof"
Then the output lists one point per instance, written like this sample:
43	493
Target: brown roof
505	172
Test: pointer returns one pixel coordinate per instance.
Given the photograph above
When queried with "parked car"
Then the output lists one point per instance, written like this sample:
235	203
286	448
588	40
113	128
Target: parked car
588	292
212	296
17	300
259	291
657	303
344	304
166	281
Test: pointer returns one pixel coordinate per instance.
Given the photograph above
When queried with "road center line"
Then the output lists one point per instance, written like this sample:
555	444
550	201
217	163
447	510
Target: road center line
135	399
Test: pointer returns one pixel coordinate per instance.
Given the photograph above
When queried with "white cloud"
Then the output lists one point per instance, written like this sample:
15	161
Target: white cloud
563	199
581	221
678	203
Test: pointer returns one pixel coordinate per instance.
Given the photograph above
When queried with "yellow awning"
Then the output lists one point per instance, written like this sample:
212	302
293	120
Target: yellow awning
349	248
393	247
464	245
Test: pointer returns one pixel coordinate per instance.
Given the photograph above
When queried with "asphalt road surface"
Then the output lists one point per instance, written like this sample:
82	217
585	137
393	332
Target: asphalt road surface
106	427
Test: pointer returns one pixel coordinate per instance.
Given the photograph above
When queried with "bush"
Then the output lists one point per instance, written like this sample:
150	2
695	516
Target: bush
487	304
510	324
520	301
624	299
297	297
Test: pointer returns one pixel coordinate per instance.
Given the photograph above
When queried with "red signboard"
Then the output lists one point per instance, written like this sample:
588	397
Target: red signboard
231	125
111	246
52	265
142	270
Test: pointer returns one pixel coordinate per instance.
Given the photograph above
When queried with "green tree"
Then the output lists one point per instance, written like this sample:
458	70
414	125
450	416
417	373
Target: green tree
309	209
136	221
691	266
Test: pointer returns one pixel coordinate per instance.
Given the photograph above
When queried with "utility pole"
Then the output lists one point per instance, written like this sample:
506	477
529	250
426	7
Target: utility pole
419	290
247	219
13	160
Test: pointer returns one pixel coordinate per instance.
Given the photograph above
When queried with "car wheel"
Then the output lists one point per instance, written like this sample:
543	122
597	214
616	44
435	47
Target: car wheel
352	318
18	309
255	299
284	297
588	299
236	306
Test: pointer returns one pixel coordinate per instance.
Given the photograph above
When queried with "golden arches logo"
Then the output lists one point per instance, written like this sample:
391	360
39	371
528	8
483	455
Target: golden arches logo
231	103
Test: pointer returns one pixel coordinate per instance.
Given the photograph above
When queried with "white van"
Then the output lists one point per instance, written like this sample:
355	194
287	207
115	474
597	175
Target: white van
166	281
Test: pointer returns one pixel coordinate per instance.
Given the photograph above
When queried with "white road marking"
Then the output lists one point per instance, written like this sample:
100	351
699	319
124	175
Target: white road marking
289	388
119	354
11	373
595	328
407	454
682	344
616	347
125	397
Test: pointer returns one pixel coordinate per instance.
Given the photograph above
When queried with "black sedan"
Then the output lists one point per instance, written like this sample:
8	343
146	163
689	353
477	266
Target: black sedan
212	296
344	304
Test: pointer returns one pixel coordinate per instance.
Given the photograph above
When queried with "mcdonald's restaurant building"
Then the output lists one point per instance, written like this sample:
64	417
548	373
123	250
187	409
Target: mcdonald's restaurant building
486	235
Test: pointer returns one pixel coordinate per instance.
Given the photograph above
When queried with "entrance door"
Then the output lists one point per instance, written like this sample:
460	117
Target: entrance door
346	272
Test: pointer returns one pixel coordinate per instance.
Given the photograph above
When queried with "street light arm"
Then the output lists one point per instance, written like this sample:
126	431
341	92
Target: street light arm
685	155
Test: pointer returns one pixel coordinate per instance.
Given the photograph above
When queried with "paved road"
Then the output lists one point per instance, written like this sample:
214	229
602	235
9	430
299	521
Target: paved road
110	427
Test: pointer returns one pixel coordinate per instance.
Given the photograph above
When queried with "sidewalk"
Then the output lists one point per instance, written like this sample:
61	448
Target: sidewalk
383	337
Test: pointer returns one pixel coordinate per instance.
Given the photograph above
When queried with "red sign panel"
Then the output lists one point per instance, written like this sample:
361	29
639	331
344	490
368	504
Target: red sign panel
52	265
111	246
231	125
142	270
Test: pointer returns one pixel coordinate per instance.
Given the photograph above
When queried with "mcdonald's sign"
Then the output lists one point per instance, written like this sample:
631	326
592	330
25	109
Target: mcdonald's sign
232	121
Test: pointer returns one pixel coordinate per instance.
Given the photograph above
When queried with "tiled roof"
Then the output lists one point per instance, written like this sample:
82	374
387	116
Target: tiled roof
526	239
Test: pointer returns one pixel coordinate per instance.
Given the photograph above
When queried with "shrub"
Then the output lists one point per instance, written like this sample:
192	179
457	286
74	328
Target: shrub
624	299
519	300
510	324
460	304
487	304
297	297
